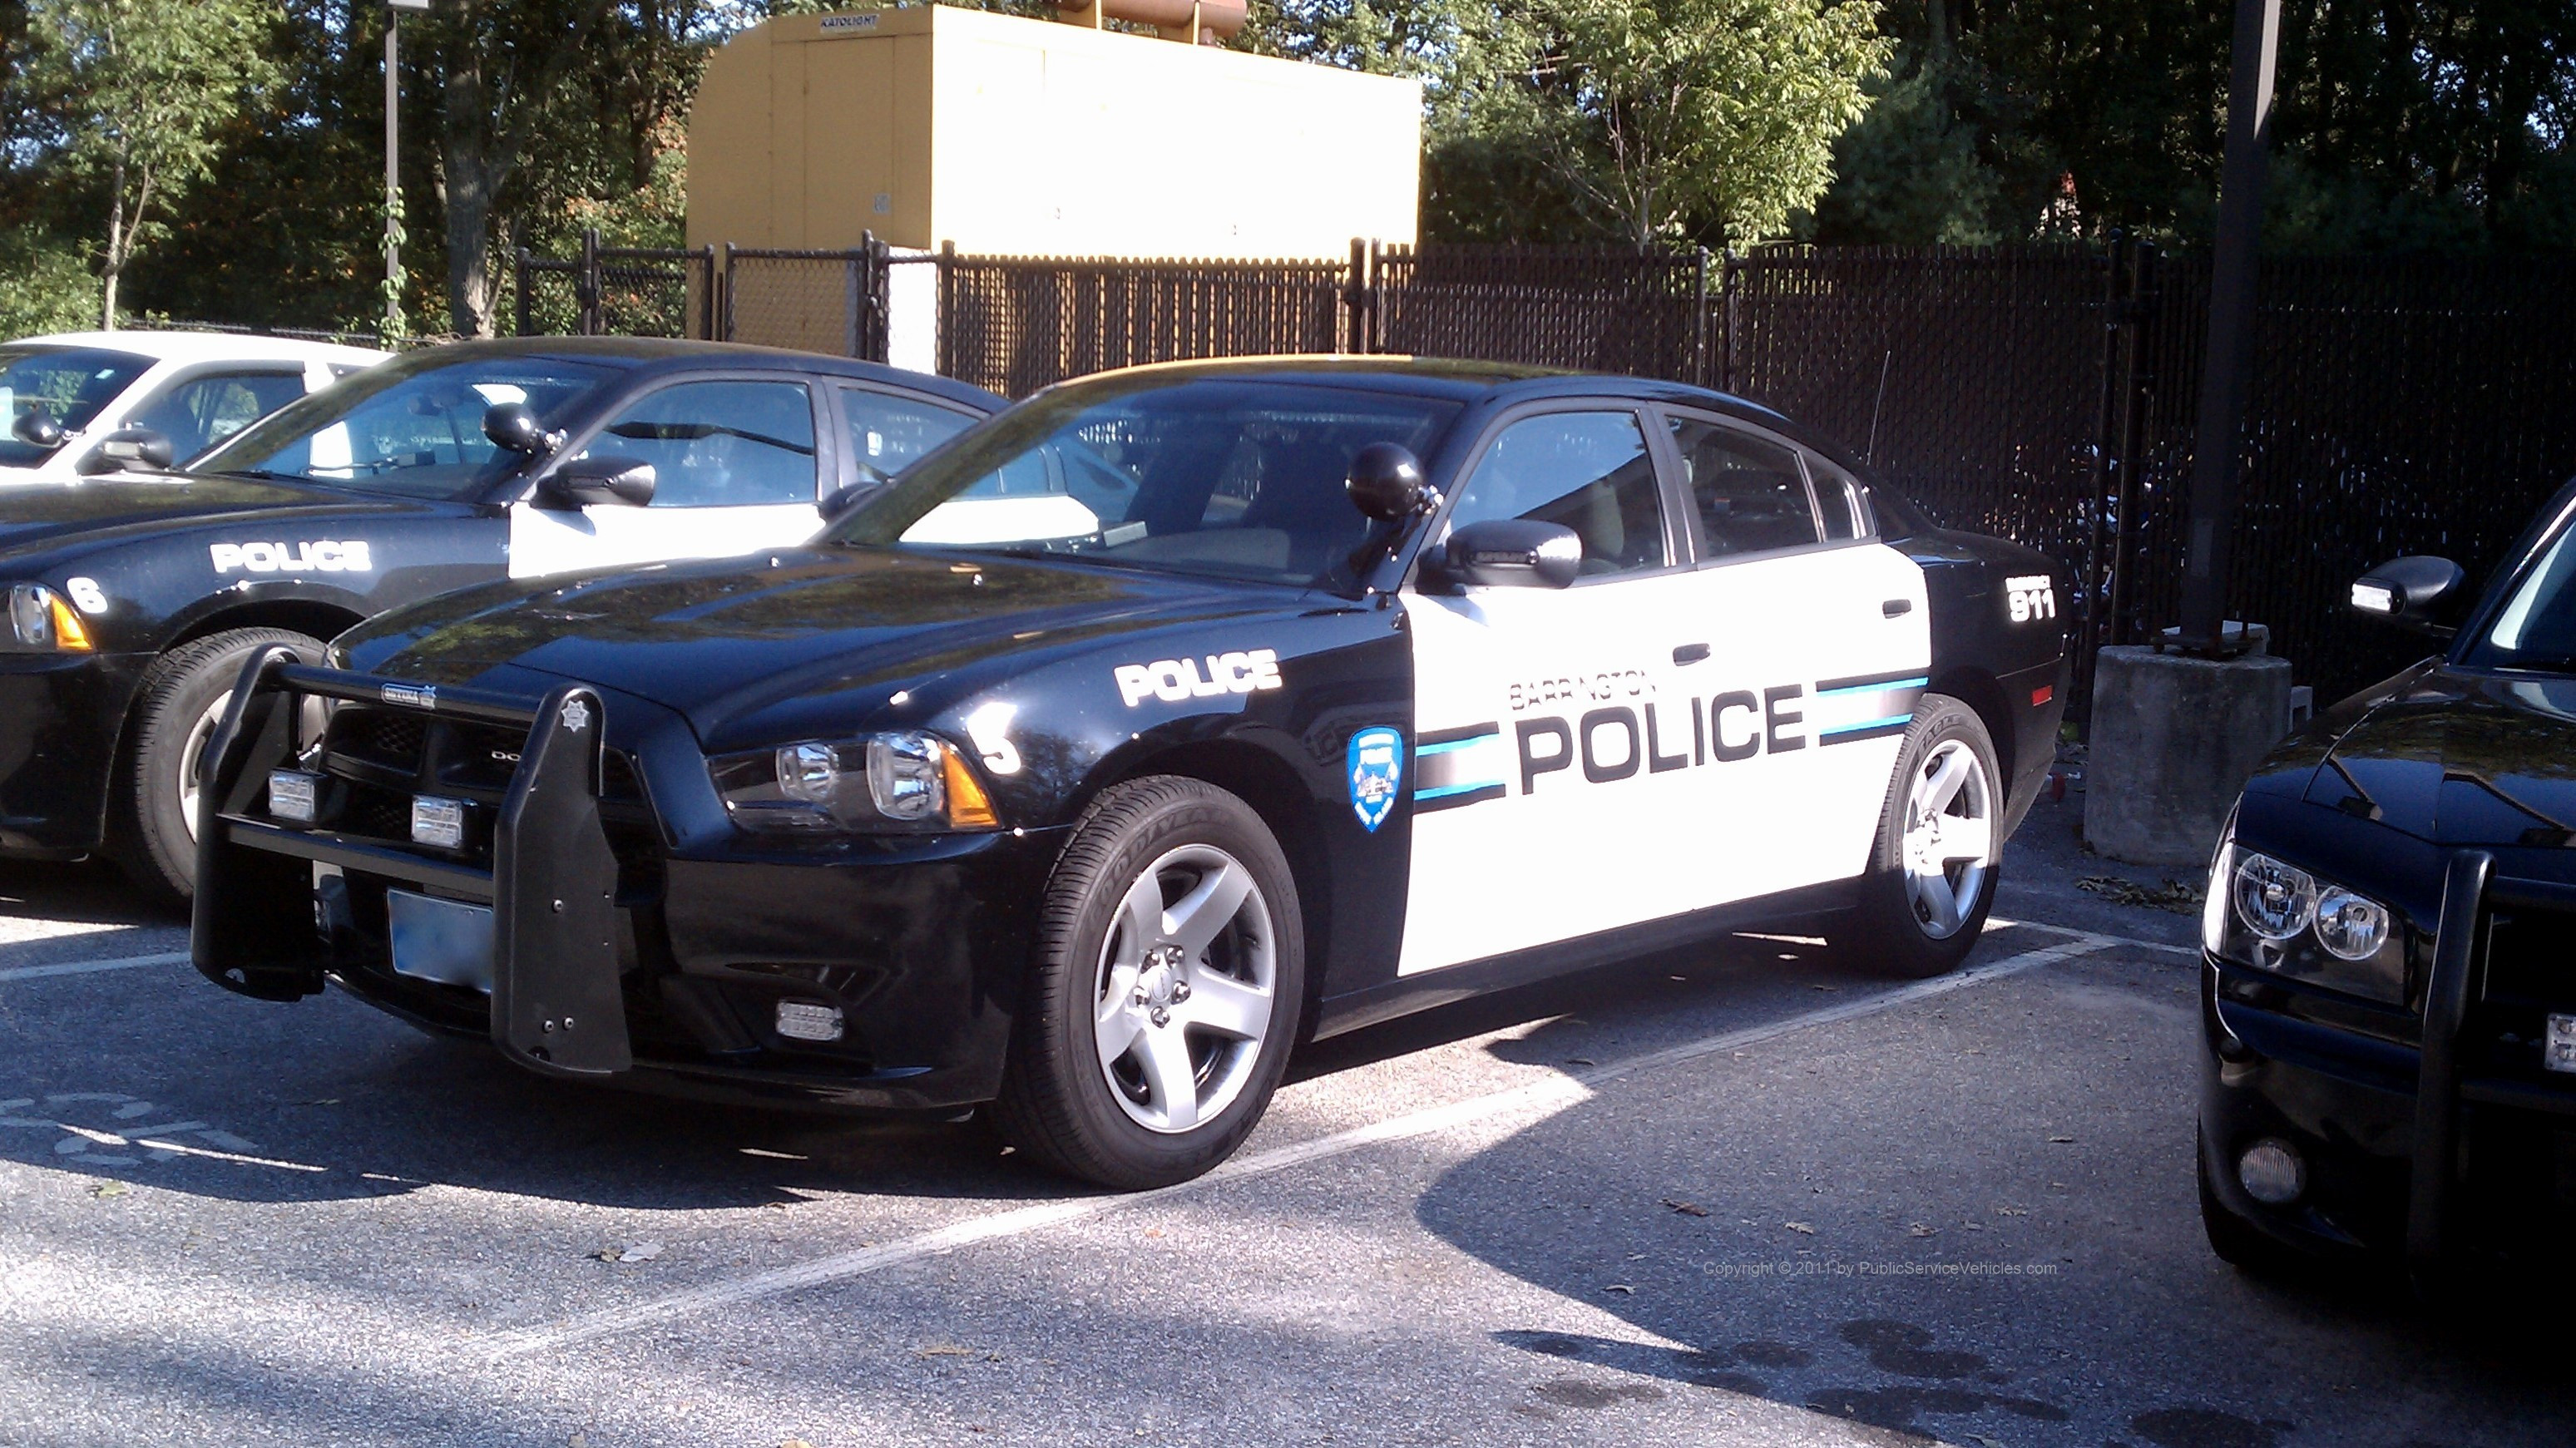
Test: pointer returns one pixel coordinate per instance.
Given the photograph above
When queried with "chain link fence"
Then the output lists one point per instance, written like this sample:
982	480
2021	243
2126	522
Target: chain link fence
2043	393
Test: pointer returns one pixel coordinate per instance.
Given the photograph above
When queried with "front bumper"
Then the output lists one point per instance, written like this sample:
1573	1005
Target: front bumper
2433	1136
616	955
61	716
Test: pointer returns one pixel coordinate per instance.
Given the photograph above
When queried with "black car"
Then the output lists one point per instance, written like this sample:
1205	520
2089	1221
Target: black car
134	597
1167	719
2389	992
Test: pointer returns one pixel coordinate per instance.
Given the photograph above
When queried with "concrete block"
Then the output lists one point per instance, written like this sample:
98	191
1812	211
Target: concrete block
2173	741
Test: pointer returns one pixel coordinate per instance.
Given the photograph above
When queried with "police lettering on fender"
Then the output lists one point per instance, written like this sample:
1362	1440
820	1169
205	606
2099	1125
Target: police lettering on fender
323	556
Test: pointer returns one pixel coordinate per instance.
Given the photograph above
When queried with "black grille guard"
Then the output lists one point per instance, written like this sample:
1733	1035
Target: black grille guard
556	1002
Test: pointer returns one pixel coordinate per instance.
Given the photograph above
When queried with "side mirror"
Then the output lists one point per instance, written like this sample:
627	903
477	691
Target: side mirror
581	482
128	448
851	494
514	425
2422	593
1512	553
37	428
1386	483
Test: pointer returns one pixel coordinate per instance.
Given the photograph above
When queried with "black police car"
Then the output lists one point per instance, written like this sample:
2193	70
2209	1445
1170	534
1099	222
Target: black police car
2389	998
1166	719
133	598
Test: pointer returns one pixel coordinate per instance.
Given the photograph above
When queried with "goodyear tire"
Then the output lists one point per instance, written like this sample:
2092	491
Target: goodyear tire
151	831
1939	852
1165	991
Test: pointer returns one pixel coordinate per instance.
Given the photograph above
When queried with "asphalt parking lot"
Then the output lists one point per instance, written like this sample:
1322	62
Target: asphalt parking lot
1742	1195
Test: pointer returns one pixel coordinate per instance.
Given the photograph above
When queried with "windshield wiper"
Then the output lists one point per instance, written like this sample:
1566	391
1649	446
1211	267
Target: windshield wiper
256	475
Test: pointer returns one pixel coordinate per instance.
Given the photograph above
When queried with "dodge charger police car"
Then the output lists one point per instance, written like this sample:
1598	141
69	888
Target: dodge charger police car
132	599
61	395
2388	1003
1172	717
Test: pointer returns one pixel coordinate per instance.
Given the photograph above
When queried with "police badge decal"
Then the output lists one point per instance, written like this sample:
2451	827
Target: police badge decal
1376	762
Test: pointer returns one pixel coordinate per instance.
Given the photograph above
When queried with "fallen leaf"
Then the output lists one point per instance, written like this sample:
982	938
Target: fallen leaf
639	1252
2178	896
1918	1230
1687	1209
1800	1227
942	1349
1153	1231
1581	1061
2061	1140
1622	1288
2012	1211
110	1189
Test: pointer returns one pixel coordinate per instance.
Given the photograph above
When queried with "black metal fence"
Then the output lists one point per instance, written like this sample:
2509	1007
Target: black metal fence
2043	393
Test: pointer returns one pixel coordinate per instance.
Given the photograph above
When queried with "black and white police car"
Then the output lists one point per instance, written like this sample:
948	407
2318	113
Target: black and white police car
1167	719
2389	993
133	598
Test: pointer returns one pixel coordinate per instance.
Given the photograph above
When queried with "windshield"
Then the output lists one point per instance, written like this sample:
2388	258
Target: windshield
1217	477
68	384
2537	629
412	428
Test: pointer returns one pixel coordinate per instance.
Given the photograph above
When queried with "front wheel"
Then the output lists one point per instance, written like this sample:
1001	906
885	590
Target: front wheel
153	830
1940	846
1165	992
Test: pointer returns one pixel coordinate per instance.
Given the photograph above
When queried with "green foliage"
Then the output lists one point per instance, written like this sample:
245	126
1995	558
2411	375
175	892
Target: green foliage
44	286
136	92
1910	172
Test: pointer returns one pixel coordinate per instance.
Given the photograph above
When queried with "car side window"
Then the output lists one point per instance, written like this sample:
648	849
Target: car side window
719	444
1838	504
887	431
197	412
1750	494
1588	471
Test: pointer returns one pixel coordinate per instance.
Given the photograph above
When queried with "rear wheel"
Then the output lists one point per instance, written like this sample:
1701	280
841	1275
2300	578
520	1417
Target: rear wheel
153	824
1933	872
1165	993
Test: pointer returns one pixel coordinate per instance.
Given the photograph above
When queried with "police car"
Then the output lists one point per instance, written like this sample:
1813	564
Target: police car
61	395
133	598
2389	1013
1172	717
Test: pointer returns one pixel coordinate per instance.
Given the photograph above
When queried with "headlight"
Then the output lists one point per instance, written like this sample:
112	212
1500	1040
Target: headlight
885	782
41	620
2277	917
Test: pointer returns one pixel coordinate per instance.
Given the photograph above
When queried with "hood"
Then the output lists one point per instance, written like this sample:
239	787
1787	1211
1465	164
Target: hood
115	506
718	639
2462	759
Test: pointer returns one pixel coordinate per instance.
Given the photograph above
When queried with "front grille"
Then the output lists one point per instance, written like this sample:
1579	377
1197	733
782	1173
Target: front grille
378	737
2531	958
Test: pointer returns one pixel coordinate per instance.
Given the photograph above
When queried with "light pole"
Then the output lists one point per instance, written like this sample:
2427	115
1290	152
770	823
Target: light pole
393	161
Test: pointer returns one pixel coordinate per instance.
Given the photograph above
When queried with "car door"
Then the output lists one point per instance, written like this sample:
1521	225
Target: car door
1815	647
736	466
1551	726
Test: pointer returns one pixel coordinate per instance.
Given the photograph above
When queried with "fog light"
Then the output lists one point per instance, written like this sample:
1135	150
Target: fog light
290	795
2272	1173
437	823
806	1021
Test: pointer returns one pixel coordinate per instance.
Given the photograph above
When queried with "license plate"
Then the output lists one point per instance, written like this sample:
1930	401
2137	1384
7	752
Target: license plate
448	941
2558	1048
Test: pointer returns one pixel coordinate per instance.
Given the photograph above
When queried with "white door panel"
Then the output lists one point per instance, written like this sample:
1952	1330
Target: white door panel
1757	766
549	540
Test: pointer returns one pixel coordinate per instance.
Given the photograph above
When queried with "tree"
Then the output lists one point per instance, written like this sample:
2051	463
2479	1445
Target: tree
1666	120
136	91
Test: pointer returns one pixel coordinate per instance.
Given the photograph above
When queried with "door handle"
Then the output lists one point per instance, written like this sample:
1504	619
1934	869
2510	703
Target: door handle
1897	607
1690	653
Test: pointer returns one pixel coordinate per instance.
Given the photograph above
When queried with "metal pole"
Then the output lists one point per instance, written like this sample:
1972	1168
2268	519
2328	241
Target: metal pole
2216	466
393	172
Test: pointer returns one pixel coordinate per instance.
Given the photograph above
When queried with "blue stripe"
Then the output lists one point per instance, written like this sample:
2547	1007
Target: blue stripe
1866	724
1444	748
1446	790
1921	683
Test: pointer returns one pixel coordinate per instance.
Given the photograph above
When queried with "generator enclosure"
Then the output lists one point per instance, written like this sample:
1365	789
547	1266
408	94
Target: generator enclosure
1007	136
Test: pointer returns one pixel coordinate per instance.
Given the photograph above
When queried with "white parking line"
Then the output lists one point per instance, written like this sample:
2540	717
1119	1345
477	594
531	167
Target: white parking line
1555	1092
88	967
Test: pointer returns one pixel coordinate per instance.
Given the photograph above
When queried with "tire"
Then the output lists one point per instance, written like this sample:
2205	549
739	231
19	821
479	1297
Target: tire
150	831
1914	922
1205	1046
2239	1243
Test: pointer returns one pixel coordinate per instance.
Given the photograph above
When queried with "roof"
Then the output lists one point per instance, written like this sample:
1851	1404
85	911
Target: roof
174	346
677	353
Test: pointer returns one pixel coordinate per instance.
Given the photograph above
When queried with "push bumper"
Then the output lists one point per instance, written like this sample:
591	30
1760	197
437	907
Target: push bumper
61	716
615	957
2459	1150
